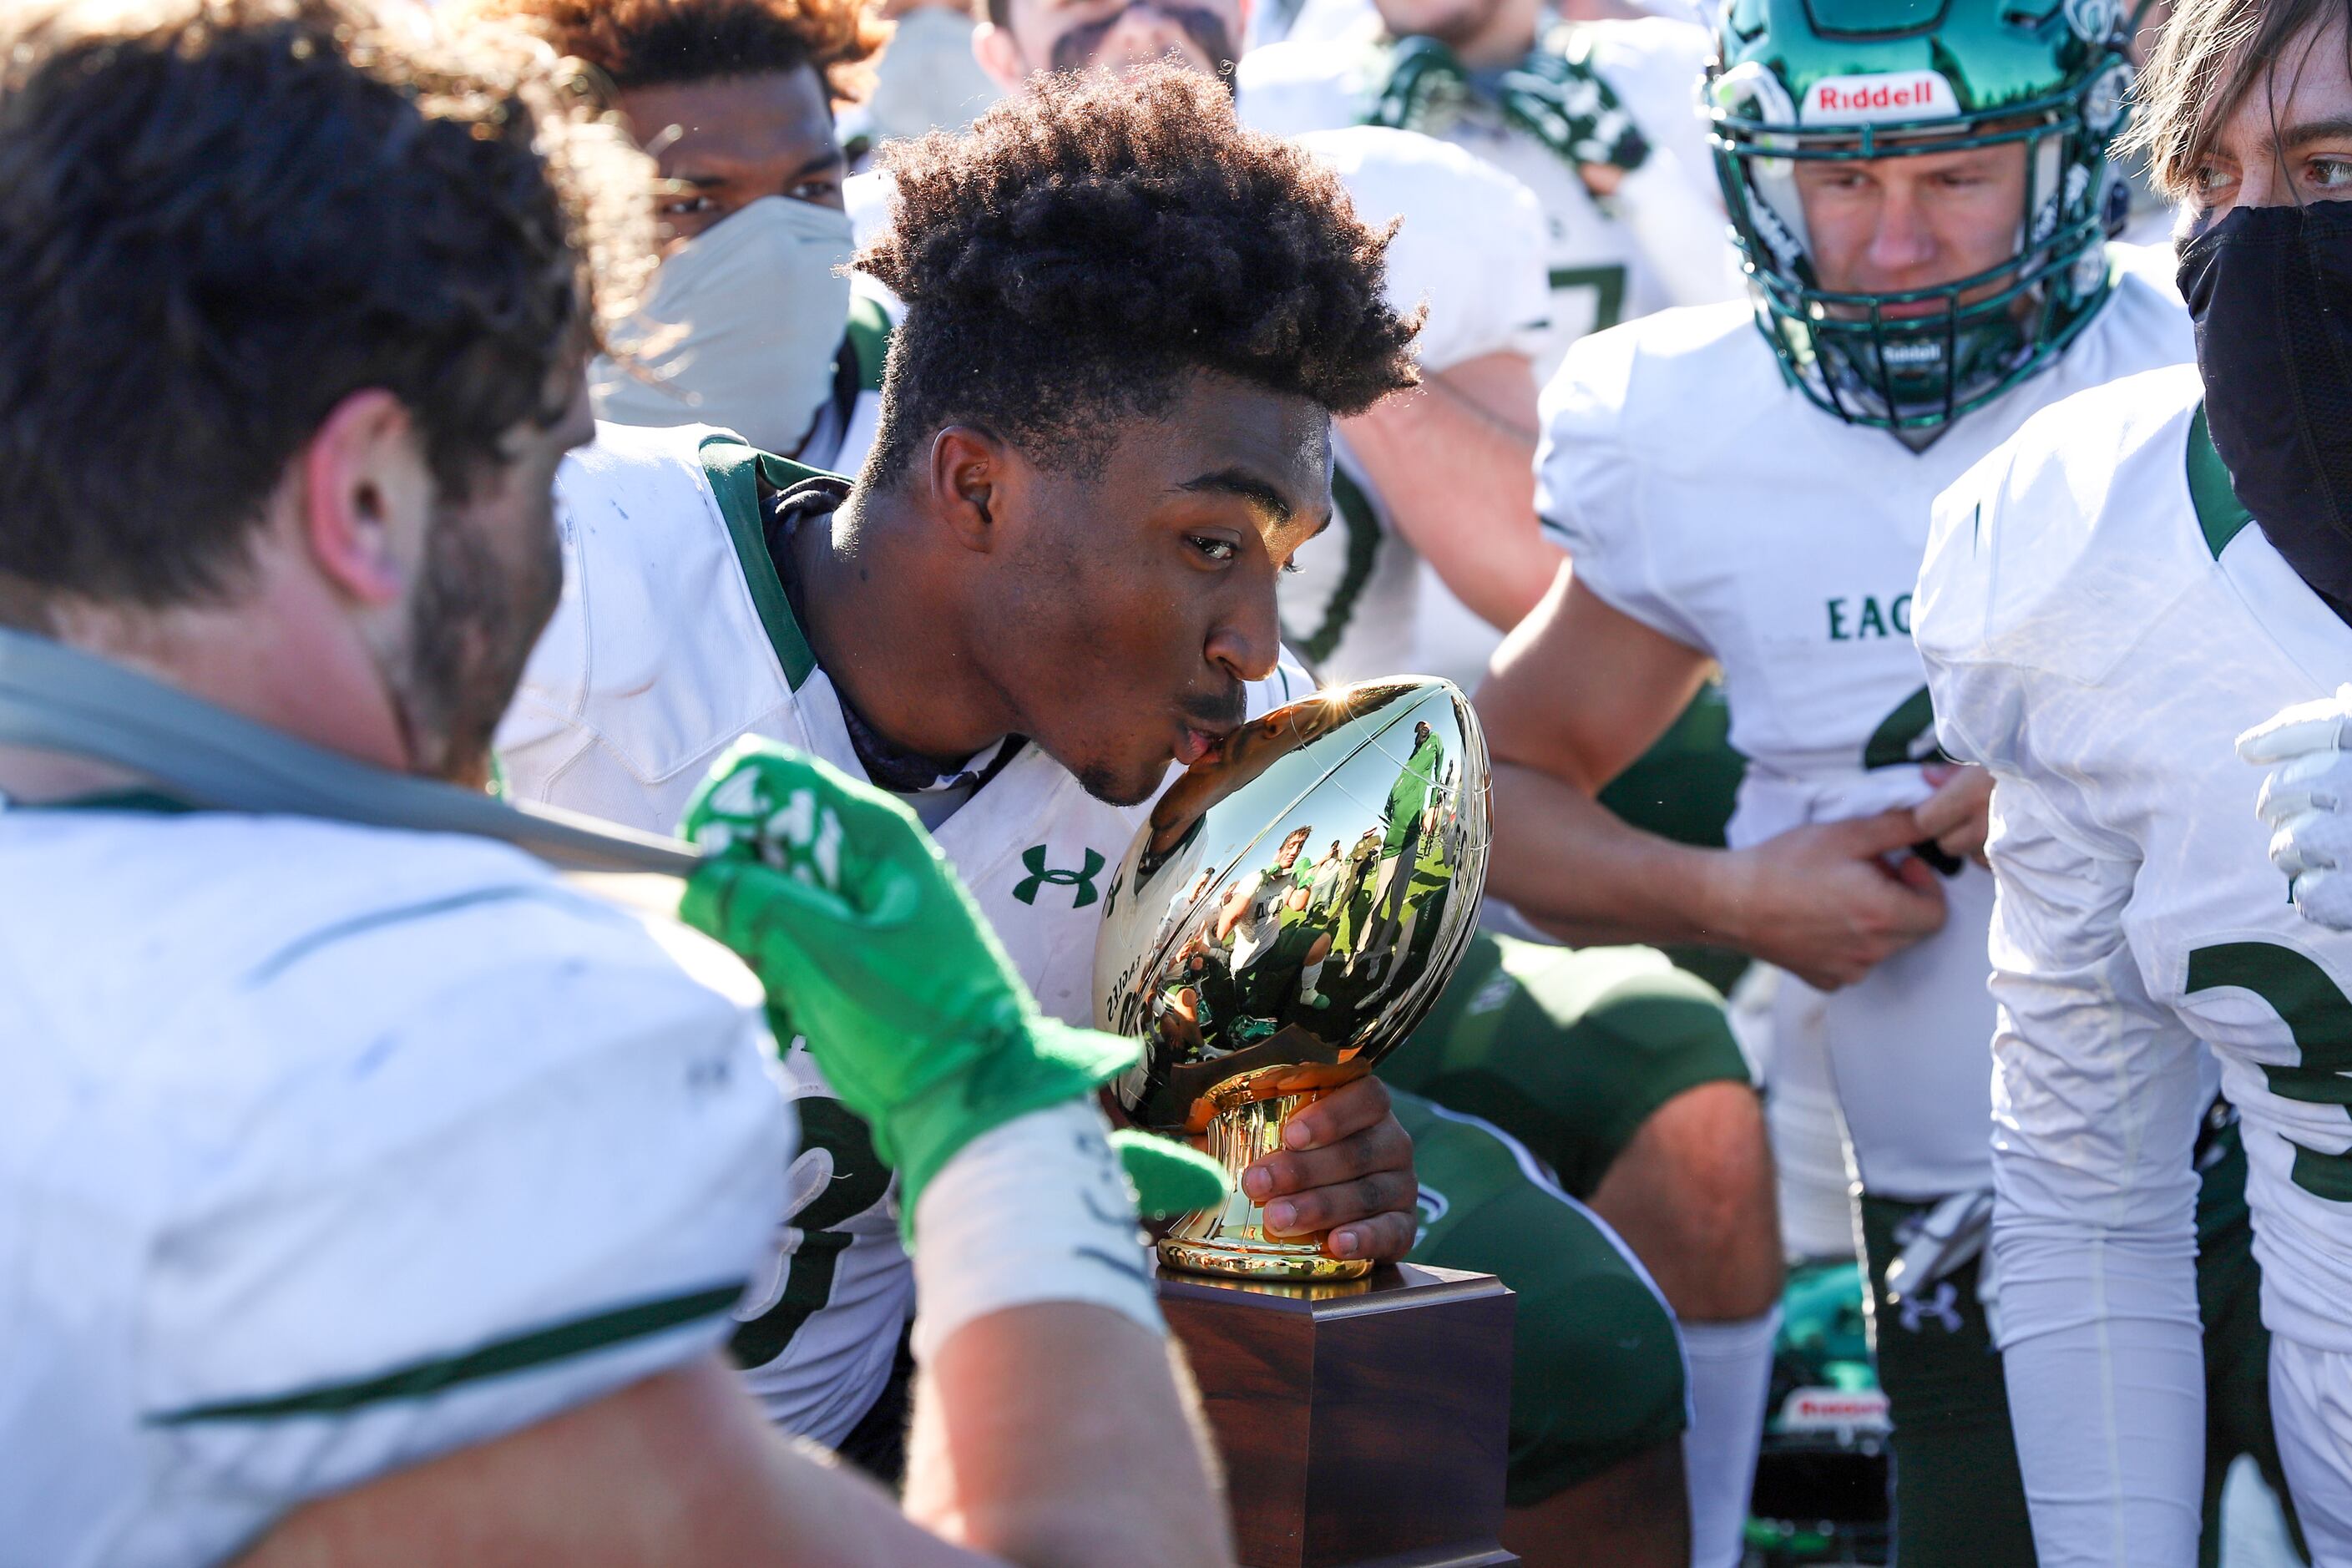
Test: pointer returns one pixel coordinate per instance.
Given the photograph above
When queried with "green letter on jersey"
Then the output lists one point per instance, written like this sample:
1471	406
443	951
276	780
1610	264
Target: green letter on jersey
2316	1011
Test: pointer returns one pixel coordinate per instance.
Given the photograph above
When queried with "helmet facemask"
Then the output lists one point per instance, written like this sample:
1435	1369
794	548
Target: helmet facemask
1915	360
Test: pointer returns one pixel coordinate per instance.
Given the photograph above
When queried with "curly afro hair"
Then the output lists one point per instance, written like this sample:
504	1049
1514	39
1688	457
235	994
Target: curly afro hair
1089	240
652	43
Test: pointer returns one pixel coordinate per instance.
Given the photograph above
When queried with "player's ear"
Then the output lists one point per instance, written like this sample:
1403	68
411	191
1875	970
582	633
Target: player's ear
998	55
968	474
366	497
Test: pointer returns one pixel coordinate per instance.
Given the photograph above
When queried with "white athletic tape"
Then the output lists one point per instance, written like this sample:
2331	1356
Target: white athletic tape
1035	1210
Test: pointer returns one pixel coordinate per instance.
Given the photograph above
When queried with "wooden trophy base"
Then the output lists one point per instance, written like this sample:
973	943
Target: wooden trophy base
1364	1425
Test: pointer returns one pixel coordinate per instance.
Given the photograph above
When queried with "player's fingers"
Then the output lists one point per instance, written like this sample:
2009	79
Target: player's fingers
1322	1208
2306	727
1967	841
1342	1113
2294	852
2314	841
2313	782
2323	898
1915	906
1881	835
1960	800
1383	1238
1384	1146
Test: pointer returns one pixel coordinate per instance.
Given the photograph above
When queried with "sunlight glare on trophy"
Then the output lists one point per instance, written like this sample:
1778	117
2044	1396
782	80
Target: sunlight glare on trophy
1290	911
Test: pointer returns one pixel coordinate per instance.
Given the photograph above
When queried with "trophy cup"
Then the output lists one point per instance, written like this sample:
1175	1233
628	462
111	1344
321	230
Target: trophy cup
1289	913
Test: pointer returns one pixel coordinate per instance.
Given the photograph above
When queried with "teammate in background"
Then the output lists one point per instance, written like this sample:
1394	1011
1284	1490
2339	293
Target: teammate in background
734	100
1880	178
395	1215
2141	574
1125	501
1621	1075
1599	119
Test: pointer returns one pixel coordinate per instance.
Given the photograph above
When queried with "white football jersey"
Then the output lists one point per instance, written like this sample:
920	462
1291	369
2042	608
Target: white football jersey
674	638
1601	270
1704	496
325	1150
1470	248
2101	619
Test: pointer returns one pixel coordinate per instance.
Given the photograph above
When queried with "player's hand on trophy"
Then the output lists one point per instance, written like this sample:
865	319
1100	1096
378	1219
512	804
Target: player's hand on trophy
871	951
2305	798
1958	816
1829	901
1347	1167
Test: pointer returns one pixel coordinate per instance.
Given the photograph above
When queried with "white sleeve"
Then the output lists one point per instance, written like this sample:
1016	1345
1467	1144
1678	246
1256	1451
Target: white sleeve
2096	1097
1588	485
545	1172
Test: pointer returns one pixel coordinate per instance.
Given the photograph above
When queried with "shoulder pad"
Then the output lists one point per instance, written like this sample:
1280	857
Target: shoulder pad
1656	379
1470	244
2056	551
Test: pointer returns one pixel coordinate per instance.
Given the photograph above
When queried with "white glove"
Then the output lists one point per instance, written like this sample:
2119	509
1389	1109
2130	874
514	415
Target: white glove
2306	799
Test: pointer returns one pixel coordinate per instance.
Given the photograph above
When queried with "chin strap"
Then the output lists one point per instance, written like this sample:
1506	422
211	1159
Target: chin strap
56	699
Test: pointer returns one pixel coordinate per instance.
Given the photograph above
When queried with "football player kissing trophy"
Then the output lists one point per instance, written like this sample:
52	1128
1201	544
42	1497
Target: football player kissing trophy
1290	911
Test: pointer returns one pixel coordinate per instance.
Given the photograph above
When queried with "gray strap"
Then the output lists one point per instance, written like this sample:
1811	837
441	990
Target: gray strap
56	699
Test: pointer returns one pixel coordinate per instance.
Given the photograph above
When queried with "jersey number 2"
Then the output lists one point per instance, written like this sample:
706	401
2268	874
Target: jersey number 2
2319	1016
860	1181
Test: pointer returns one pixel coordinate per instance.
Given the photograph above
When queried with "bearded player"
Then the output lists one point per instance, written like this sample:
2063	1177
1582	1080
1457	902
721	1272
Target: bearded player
1928	261
1052	579
373	1197
2142	573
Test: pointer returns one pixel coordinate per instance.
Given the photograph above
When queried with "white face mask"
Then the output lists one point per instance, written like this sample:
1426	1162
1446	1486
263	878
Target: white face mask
741	330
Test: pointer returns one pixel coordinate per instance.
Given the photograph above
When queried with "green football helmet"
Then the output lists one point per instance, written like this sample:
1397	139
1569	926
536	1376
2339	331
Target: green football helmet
1802	80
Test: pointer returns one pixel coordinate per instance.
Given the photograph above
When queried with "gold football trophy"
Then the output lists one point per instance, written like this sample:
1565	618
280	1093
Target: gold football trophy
1289	913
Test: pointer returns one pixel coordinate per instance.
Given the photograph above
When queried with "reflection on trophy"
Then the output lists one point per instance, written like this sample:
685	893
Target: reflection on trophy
1290	911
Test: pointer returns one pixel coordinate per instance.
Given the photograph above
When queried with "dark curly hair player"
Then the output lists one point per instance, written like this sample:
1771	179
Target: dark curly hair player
1105	426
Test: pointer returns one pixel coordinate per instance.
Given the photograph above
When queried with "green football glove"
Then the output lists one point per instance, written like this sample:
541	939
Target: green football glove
871	951
1170	1178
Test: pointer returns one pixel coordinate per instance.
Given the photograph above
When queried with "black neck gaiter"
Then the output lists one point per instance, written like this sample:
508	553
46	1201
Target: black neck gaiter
2271	292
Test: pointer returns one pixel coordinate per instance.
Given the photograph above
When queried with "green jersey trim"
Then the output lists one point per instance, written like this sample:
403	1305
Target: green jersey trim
736	473
869	341
145	802
2220	515
1355	510
420	1380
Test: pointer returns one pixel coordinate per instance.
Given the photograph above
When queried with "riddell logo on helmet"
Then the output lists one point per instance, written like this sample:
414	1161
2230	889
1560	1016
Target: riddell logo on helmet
1879	97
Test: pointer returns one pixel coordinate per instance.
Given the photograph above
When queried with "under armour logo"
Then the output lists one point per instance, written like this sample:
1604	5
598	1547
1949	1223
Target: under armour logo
1040	875
1943	1306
